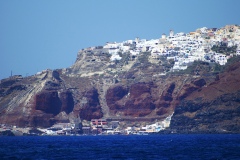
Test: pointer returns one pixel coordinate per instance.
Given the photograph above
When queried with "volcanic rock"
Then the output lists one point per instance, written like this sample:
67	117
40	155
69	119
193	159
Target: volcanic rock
92	109
137	88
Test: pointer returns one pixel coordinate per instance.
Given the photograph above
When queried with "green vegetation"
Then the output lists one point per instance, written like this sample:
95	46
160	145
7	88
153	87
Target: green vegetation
200	66
107	56
220	69
223	48
166	63
195	68
125	57
142	60
124	60
143	57
232	60
120	54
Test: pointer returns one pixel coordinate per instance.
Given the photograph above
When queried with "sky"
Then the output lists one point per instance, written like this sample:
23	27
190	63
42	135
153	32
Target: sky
47	34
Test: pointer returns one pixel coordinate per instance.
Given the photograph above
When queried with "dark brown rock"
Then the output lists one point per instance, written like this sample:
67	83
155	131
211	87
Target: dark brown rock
207	117
208	102
67	102
92	109
188	89
138	89
214	108
200	82
48	102
115	94
164	103
139	106
39	119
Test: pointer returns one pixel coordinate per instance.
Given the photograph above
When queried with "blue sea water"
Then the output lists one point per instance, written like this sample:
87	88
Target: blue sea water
172	146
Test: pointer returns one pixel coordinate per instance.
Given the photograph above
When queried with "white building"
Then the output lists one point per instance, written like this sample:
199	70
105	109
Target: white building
113	50
115	57
220	58
171	33
111	45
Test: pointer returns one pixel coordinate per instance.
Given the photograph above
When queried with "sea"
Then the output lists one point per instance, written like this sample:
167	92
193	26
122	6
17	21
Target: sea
131	147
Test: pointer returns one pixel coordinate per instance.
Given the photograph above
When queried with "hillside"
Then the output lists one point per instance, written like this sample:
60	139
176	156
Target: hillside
133	88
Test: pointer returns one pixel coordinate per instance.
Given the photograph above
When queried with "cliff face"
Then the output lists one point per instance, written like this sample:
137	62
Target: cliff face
220	115
51	102
91	109
128	89
214	108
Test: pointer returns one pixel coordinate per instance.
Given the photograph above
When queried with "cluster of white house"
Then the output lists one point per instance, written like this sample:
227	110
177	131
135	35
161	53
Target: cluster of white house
59	129
103	127
183	48
95	127
152	128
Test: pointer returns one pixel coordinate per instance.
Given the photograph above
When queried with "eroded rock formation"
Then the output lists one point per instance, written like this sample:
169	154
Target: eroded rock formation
132	88
214	108
91	109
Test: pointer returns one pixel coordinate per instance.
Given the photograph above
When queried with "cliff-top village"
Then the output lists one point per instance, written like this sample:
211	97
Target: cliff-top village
183	48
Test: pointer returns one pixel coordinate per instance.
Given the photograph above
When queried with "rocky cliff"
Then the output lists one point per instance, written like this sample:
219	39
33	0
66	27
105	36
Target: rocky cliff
214	108
135	88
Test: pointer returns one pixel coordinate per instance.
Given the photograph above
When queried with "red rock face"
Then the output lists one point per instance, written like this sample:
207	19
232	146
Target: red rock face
138	89
67	102
140	102
92	109
212	108
157	97
188	89
225	83
139	106
48	102
165	100
115	94
47	105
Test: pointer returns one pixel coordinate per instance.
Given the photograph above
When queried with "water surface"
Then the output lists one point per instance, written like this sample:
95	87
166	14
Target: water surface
171	146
